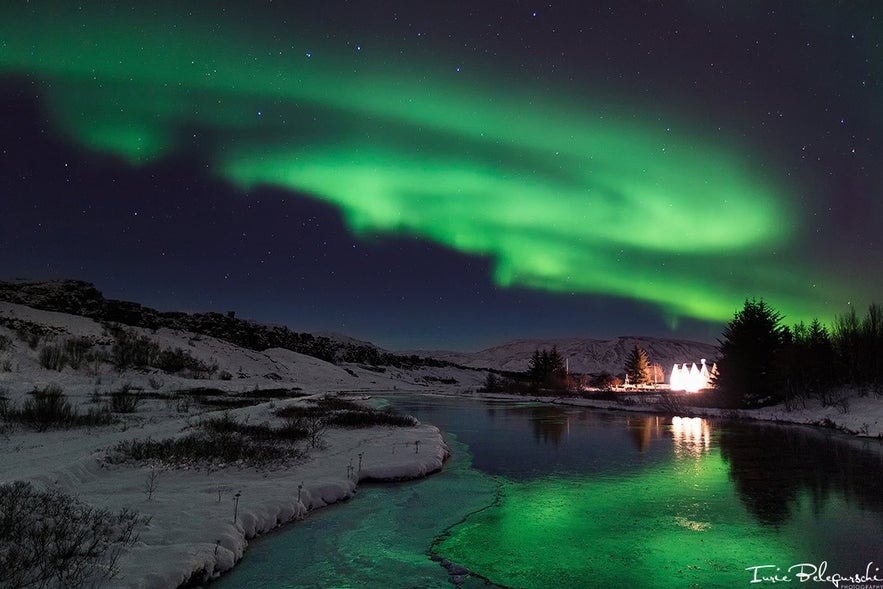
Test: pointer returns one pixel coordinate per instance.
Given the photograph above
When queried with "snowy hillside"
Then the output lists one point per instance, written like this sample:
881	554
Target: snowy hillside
584	355
112	401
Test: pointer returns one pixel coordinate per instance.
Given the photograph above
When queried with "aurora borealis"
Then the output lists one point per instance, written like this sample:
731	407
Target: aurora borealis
449	176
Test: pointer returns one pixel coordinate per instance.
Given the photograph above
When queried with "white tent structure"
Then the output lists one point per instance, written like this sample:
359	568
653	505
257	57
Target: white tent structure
691	379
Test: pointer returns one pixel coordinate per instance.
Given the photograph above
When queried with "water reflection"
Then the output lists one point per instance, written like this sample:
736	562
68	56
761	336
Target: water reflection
645	428
589	499
691	436
771	467
549	424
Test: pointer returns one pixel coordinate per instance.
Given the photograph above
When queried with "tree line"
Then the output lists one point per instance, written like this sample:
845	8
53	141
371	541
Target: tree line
547	370
763	361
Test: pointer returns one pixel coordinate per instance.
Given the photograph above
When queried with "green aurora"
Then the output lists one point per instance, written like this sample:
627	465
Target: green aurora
561	191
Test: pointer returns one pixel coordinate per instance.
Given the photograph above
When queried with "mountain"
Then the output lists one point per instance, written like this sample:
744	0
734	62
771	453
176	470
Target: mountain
584	355
76	297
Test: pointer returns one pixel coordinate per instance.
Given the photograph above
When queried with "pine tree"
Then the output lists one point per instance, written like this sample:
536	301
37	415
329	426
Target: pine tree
535	367
750	348
556	364
546	368
637	367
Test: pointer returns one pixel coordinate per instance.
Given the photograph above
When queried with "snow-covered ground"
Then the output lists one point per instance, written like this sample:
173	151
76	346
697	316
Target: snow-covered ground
191	510
192	529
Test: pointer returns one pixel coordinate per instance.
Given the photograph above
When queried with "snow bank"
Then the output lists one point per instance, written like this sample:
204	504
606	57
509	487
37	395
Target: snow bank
855	414
192	530
200	518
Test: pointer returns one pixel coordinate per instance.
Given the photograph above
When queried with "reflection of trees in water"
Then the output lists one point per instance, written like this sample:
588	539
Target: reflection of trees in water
644	428
549	424
770	466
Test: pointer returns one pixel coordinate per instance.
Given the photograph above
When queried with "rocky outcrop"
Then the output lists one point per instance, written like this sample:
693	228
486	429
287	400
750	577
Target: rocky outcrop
77	297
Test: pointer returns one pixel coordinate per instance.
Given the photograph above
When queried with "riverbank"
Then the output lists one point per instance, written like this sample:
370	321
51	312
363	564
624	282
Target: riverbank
201	516
192	533
855	414
73	390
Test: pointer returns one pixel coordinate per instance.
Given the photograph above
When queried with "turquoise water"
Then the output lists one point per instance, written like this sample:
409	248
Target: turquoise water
380	538
543	496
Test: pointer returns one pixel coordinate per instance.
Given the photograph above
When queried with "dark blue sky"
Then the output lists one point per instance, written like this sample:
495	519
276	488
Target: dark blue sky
795	86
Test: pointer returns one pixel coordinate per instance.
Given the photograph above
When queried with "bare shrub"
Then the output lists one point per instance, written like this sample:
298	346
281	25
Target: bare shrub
31	337
131	350
52	357
835	397
50	539
669	403
370	418
46	407
73	352
220	440
124	399
49	408
152	482
78	352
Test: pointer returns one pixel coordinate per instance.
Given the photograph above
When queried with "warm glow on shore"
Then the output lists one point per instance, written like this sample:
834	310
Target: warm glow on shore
691	379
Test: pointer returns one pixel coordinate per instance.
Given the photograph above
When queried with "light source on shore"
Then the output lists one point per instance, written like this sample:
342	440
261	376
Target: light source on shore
691	379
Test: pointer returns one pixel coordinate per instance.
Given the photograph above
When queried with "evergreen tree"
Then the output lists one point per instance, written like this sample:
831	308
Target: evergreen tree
536	368
859	347
546	368
748	371
556	364
637	367
806	363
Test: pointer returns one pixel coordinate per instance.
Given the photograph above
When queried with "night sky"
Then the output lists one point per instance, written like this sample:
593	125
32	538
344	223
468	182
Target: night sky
449	174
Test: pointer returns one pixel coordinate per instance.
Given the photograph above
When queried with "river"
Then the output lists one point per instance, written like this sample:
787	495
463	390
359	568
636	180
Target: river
537	495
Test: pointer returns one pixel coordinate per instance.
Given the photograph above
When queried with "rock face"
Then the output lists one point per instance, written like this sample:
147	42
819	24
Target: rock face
74	297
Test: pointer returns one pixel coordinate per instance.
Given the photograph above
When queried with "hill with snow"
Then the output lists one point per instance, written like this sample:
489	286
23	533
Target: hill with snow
584	355
104	384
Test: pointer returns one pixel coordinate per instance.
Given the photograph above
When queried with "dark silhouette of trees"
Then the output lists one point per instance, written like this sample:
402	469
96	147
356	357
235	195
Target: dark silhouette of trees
546	369
859	347
763	362
604	381
637	367
807	363
750	350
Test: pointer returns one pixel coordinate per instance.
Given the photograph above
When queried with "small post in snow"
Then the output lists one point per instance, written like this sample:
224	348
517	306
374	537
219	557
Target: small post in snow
236	506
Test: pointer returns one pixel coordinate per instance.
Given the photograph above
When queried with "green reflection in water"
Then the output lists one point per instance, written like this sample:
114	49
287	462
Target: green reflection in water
675	525
378	539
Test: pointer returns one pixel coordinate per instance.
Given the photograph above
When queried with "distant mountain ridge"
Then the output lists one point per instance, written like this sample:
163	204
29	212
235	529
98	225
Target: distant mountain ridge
77	297
584	355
